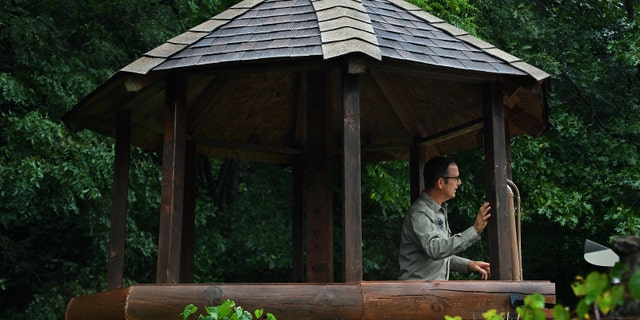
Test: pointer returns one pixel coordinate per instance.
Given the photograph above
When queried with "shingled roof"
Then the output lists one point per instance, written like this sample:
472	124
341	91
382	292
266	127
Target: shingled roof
424	79
389	29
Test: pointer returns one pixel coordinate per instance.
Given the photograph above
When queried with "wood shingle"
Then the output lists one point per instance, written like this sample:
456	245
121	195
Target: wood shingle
329	28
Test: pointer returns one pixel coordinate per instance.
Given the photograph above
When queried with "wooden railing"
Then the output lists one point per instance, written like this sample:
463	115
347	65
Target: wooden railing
365	300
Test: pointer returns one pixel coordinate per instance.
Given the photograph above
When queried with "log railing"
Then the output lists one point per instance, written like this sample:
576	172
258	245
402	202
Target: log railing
365	300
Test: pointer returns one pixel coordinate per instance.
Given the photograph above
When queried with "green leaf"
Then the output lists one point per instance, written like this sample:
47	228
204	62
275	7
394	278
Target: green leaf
188	310
532	308
226	309
582	308
561	313
492	315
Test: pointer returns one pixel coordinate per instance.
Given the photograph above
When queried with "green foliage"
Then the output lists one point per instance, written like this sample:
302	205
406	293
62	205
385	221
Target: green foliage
459	13
385	197
228	310
596	292
493	315
532	308
488	315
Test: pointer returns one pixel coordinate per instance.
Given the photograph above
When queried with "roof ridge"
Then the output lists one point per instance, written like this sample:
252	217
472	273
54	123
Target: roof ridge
467	38
340	37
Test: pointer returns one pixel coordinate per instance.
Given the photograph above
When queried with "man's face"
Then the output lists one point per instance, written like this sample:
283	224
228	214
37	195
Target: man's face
451	181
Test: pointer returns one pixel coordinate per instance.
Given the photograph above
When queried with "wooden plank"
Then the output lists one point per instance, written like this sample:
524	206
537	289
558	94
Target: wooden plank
318	178
173	170
120	196
525	121
496	179
189	216
400	105
351	180
378	300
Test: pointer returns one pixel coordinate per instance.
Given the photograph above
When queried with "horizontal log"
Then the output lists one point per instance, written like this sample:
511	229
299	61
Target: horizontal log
435	299
104	305
366	300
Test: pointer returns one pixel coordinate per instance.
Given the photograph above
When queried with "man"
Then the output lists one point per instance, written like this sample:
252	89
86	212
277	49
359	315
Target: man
427	248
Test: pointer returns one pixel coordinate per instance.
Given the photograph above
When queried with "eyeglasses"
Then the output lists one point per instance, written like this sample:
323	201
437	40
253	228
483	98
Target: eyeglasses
457	178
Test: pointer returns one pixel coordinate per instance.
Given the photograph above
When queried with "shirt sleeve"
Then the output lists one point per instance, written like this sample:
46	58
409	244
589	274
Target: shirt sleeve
435	240
459	264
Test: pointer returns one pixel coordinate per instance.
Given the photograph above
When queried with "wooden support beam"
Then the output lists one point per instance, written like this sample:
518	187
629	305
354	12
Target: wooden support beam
300	135
351	180
119	206
456	131
496	162
298	166
416	164
297	227
173	179
318	179
189	216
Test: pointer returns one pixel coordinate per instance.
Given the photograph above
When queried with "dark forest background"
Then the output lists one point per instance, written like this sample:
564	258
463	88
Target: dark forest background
580	180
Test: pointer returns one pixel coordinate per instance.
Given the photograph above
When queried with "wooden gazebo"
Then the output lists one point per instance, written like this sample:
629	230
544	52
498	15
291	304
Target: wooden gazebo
308	84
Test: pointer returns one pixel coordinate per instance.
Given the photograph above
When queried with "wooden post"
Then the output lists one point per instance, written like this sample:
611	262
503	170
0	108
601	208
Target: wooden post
173	169
298	167
319	182
189	216
496	179
416	166
297	228
119	206
352	201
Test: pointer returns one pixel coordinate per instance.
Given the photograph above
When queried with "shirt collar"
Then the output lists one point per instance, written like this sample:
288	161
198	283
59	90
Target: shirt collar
432	203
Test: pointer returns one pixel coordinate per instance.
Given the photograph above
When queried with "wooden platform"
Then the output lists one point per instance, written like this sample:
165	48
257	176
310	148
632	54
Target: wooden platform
365	300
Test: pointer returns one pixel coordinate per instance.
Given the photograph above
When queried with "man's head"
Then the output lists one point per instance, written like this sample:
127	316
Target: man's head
441	178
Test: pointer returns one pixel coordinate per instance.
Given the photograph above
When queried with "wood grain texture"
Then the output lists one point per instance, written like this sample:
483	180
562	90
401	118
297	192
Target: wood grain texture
296	301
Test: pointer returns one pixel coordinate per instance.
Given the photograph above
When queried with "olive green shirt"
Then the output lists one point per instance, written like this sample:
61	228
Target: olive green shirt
427	248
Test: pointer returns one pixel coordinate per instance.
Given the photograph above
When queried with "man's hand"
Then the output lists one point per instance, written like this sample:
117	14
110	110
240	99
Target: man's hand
480	267
482	218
